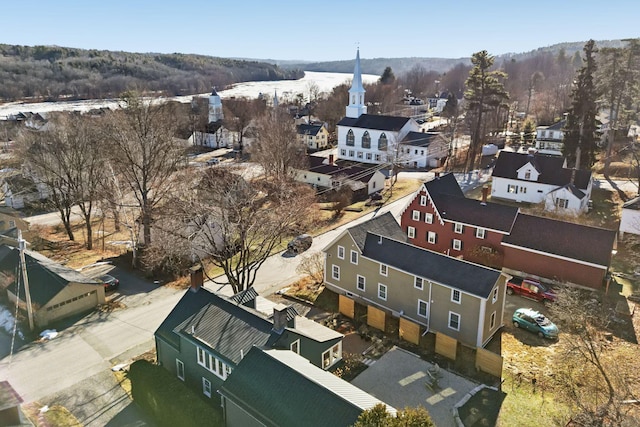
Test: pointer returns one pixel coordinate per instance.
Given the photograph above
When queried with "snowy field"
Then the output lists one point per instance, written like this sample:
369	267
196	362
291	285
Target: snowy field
286	89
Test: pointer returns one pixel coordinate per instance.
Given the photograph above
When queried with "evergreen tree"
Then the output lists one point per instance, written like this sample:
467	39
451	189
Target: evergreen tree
387	76
580	129
484	93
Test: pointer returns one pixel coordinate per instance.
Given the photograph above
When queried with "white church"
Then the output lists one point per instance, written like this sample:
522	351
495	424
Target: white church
216	135
384	140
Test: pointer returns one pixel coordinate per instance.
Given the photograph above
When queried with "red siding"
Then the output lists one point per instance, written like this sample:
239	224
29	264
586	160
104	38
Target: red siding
553	268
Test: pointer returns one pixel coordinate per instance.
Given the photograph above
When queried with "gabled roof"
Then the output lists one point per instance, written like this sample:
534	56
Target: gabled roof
420	139
355	173
579	194
281	388
633	204
372	121
444	184
383	225
46	277
465	276
305	129
557	126
551	169
565	239
228	327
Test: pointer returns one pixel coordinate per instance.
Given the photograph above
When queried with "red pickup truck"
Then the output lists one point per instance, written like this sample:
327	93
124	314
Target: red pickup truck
530	288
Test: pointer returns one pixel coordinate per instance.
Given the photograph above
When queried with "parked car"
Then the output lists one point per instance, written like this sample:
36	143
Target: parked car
533	321
530	288
300	243
213	161
110	282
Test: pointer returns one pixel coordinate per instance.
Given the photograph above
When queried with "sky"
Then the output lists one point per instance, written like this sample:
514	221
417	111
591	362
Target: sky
325	30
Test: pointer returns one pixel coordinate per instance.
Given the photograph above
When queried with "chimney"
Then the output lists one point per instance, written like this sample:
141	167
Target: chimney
197	278
485	192
279	318
330	159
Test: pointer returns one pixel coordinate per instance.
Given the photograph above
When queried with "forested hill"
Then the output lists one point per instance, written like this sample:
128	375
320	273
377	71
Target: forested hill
53	73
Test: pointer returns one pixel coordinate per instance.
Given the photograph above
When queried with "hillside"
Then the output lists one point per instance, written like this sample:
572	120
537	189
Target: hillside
53	73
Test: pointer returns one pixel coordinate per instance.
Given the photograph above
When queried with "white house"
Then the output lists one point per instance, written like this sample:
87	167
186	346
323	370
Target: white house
630	217
379	139
550	139
323	173
536	178
216	135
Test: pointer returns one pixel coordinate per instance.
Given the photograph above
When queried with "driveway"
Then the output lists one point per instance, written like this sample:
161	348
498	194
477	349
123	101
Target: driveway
399	378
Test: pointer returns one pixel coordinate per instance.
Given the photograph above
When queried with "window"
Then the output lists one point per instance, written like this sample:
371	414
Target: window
415	215
12	223
366	140
432	237
457	245
383	270
562	203
382	291
359	154
351	139
458	228
428	218
295	346
351	153
423	308
361	283
411	232
335	272
527	175
418	283
454	321
480	233
354	257
492	321
513	189
495	295
331	356
180	369
206	387
341	252
377	157
368	156
456	296
382	142
423	200
523	190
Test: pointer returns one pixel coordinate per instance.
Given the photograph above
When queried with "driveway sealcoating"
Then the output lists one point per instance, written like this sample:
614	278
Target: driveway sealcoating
400	379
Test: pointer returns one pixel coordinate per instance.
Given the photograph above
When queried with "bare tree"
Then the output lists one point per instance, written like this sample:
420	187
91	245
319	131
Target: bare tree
236	224
239	113
277	147
144	153
312	265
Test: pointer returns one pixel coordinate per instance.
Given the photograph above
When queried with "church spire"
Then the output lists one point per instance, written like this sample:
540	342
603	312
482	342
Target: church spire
275	98
356	105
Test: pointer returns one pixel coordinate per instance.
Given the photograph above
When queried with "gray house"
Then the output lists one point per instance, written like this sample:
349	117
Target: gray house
372	264
206	336
280	388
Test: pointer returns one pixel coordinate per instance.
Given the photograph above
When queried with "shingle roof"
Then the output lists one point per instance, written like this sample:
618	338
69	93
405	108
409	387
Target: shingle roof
572	189
632	204
420	139
383	225
557	126
306	129
444	184
372	121
281	388
471	278
550	168
574	241
355	173
473	212
46	277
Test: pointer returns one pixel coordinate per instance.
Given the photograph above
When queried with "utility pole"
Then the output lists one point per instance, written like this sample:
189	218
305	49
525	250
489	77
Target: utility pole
21	246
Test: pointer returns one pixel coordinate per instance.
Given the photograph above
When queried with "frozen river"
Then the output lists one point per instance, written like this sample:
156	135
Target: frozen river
286	89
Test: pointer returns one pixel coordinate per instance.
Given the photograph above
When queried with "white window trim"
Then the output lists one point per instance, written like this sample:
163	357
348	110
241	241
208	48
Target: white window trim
351	256
431	234
423	200
386	291
179	367
335	272
481	232
453	292
384	270
428	218
204	387
411	232
457	245
415	282
492	320
426	315
495	295
459	321
341	248
295	343
415	215
335	354
364	283
458	228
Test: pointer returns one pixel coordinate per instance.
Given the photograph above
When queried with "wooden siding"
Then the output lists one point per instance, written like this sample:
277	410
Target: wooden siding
346	306
376	318
489	362
446	346
409	331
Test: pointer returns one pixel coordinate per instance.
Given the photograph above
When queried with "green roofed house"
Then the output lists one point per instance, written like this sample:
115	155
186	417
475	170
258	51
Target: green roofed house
56	291
280	388
207	335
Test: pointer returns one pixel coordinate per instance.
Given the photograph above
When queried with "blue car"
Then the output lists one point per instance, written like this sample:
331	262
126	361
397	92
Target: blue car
533	321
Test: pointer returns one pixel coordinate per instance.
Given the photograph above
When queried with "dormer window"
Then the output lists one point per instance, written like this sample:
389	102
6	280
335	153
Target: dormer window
527	175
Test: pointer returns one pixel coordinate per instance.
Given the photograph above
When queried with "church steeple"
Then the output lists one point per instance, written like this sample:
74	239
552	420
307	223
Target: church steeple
356	105
215	107
275	99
